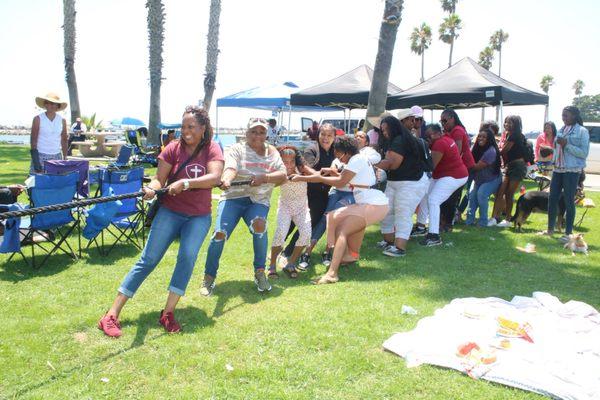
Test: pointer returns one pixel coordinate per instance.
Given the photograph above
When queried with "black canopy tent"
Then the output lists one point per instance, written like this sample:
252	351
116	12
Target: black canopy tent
348	91
465	84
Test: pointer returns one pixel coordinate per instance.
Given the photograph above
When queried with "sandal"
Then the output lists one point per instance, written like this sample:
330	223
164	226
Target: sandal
273	273
290	271
325	280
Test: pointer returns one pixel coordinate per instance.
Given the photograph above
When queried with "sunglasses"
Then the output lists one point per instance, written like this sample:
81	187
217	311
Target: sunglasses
288	152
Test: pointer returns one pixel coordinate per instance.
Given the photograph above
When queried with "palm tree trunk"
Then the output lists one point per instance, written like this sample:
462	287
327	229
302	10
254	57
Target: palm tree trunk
392	15
69	50
451	50
500	62
212	52
422	64
156	25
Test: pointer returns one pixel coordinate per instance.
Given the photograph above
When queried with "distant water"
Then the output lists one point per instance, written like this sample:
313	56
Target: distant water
16	139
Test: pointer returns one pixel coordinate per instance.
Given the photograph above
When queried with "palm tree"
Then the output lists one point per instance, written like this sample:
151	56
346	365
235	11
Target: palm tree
545	83
69	46
496	41
420	39
212	52
156	29
449	32
449	6
486	56
392	15
578	87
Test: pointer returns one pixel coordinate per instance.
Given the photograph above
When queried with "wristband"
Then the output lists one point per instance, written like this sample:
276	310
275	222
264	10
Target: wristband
186	184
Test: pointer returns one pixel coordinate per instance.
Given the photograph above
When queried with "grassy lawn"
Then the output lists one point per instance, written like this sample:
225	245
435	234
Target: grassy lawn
299	341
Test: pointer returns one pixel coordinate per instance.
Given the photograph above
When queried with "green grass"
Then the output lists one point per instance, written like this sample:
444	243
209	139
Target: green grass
300	341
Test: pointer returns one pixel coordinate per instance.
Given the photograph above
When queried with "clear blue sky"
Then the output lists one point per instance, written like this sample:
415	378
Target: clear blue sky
266	41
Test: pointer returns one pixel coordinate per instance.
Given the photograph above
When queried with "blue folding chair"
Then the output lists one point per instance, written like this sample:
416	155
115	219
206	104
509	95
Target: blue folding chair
127	225
124	157
54	226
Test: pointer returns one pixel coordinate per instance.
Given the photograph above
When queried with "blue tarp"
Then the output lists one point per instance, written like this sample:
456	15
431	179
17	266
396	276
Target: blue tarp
272	98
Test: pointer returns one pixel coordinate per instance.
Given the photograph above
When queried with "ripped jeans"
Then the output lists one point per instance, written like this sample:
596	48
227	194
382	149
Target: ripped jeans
229	213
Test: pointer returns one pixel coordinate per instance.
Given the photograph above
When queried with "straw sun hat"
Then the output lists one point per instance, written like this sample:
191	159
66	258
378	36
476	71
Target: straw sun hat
52	98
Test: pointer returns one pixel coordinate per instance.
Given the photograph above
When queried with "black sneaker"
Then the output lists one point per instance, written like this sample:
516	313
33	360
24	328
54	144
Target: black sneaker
303	262
431	239
327	257
418	230
393	251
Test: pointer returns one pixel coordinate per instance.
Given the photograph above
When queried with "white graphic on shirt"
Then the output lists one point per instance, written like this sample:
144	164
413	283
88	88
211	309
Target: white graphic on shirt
194	171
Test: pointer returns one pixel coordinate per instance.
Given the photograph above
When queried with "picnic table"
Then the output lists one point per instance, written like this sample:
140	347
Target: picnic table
96	144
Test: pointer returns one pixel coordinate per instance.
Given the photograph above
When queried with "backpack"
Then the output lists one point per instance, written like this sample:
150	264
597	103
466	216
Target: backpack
529	153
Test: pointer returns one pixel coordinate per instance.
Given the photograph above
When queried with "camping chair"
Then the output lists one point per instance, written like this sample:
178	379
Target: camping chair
57	167
124	157
128	223
53	228
134	138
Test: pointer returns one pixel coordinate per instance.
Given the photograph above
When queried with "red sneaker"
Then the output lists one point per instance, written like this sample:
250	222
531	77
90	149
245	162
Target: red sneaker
109	324
168	321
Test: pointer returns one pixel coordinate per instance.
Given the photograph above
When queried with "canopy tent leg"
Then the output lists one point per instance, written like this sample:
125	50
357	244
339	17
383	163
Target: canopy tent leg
500	124
482	113
431	121
349	120
289	127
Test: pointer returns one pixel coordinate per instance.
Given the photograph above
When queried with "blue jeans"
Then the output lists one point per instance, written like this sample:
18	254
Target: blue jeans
228	215
337	199
462	206
479	197
563	182
167	226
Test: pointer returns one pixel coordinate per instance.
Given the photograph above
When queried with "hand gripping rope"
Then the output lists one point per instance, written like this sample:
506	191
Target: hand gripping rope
88	202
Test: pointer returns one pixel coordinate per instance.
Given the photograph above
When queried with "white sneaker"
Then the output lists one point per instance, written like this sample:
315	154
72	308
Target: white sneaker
504	224
492	222
382	244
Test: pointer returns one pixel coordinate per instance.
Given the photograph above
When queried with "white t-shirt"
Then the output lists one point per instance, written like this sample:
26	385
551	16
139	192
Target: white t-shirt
339	166
372	155
365	176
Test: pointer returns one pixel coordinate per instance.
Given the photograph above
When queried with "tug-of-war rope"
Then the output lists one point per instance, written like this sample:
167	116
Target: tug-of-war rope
87	202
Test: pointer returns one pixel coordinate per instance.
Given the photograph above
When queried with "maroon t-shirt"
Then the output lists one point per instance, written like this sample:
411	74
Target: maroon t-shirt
192	202
451	163
459	134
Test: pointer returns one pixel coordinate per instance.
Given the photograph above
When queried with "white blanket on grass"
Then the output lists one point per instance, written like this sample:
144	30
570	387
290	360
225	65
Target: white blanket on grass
562	362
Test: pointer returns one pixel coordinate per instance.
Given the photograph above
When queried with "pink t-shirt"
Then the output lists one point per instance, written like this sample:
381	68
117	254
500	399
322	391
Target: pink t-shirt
192	202
542	140
451	163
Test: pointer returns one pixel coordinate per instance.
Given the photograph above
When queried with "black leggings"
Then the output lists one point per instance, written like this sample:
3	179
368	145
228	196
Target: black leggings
317	203
448	208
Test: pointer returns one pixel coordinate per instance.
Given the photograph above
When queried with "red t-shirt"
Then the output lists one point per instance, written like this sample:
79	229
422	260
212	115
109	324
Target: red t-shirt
459	134
450	164
192	202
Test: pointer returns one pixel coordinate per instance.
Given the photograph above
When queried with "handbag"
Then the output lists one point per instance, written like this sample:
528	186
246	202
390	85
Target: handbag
153	208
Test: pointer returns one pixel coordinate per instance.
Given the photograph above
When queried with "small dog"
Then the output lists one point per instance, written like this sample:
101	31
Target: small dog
576	244
536	201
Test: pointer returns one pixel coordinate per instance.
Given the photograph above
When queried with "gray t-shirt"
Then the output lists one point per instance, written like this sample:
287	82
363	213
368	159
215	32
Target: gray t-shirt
242	158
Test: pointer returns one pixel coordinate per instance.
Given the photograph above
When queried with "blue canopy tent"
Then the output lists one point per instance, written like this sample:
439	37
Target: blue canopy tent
274	98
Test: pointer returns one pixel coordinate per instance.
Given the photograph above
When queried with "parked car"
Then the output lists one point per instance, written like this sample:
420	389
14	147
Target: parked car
593	160
340	124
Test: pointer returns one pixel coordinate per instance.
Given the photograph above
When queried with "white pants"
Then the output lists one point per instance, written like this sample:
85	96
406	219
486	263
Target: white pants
439	191
404	197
